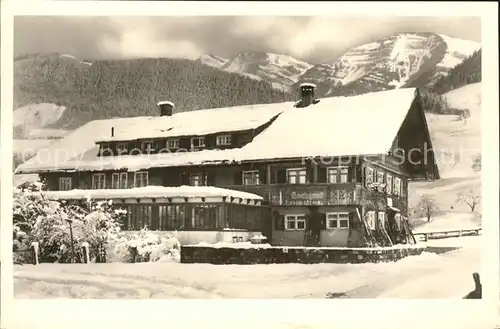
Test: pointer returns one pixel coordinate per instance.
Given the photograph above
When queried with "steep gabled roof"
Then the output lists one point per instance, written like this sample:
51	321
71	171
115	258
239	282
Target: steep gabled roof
357	125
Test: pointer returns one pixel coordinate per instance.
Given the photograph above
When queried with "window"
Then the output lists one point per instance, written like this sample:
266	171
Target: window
337	174
381	219
197	142
140	216
336	220
368	176
224	140
64	183
141	178
380	180
370	219
389	184
397	186
119	180
196	179
122	148
296	175
98	181
295	222
105	149
148	146
251	177
173	143
171	217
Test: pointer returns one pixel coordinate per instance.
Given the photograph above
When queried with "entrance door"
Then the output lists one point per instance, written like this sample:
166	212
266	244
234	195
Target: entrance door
392	226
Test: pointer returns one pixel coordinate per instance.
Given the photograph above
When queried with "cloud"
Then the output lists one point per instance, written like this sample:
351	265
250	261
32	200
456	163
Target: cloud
138	38
316	38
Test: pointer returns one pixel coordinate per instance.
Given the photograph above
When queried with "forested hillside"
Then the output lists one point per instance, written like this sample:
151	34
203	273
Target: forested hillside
467	72
124	88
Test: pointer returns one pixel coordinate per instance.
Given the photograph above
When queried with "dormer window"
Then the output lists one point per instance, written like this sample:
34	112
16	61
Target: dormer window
197	142
224	140
173	144
122	148
148	146
105	149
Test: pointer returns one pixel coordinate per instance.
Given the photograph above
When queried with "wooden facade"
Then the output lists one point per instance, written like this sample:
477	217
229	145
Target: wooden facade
348	192
363	198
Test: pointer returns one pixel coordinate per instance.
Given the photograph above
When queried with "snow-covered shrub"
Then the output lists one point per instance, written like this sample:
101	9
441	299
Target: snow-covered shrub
48	222
146	246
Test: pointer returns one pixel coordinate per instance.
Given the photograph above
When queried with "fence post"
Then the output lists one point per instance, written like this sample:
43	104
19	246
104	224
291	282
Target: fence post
426	237
34	252
459	233
86	253
134	254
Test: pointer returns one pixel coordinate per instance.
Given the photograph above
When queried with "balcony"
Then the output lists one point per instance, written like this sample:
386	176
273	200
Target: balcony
305	194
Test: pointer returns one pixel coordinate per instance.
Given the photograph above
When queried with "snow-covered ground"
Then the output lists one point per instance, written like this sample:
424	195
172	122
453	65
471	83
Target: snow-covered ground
457	144
447	222
429	275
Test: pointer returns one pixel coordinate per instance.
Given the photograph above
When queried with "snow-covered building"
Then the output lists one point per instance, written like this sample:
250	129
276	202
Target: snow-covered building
350	156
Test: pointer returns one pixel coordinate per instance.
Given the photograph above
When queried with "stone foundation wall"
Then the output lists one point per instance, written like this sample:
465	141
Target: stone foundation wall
283	255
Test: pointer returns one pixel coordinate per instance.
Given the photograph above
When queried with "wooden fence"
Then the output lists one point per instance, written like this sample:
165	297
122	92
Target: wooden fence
425	236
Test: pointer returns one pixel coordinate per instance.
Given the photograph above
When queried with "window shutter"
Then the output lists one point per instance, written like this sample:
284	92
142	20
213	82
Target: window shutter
351	220
350	174
234	140
210	179
359	174
185	178
159	144
323	220
322	175
210	141
262	175
282	176
279	223
238	179
184	143
310	174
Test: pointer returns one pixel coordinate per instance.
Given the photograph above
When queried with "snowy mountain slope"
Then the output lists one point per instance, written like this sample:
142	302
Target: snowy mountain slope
396	61
400	60
212	60
281	70
29	121
457	50
456	144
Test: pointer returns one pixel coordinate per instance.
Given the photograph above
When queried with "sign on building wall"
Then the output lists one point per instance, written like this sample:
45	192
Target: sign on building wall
312	196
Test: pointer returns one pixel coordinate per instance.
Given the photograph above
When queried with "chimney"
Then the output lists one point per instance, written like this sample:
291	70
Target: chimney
307	94
166	108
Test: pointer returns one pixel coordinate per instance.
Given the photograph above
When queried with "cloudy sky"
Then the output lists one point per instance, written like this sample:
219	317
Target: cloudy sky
315	39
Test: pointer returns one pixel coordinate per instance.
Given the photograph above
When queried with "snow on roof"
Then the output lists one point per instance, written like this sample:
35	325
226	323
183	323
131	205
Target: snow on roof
152	192
336	126
165	103
307	84
333	127
200	122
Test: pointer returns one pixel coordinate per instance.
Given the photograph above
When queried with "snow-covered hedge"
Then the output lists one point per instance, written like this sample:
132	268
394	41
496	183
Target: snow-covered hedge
48	223
145	246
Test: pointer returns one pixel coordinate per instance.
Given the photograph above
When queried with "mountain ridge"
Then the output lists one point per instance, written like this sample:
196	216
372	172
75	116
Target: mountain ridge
404	59
113	88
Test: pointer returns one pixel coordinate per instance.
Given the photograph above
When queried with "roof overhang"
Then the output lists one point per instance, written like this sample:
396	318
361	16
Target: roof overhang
159	194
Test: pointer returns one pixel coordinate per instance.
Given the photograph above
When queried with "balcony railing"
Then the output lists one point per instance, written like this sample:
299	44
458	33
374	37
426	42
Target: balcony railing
305	194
